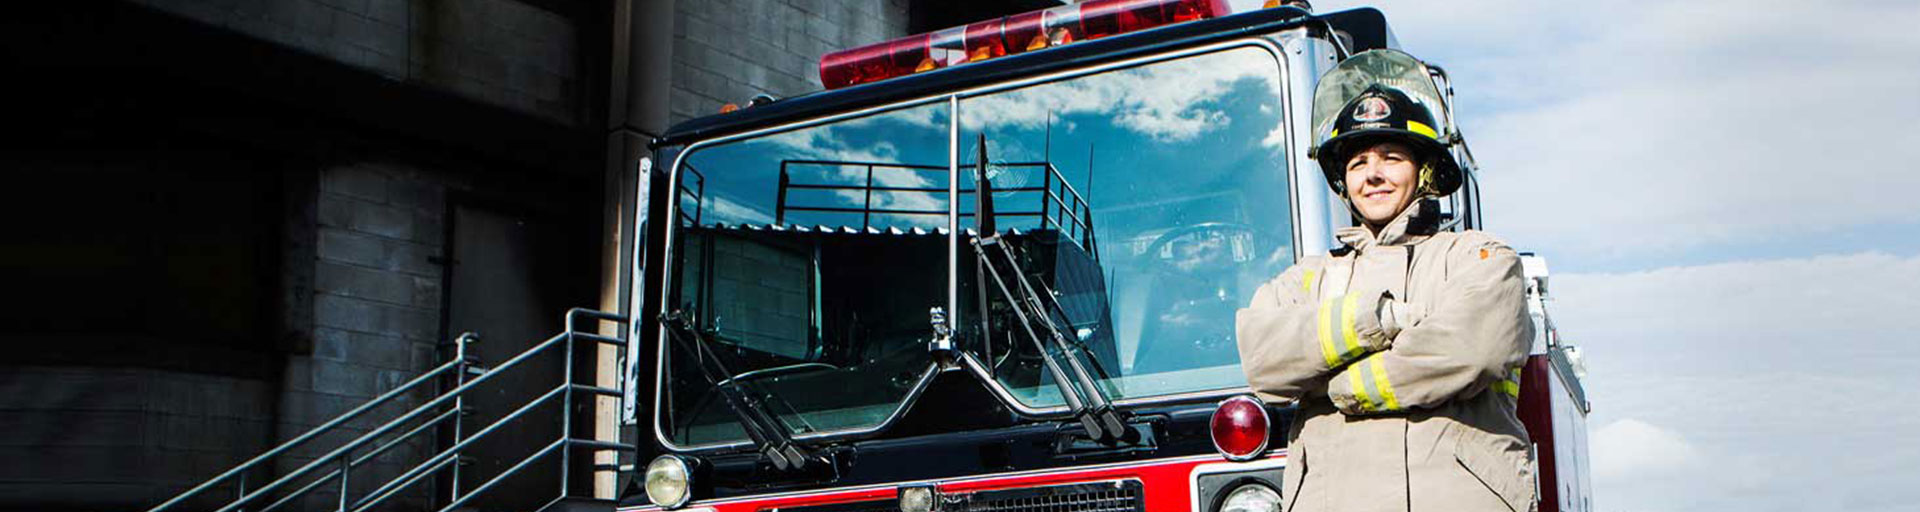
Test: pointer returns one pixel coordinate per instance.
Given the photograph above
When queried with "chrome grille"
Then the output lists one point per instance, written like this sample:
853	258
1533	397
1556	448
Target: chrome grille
1115	496
1110	496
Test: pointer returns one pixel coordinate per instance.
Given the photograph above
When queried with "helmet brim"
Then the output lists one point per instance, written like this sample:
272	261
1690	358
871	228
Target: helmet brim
1336	151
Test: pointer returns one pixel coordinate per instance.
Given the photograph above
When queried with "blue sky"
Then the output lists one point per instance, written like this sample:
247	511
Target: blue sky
1723	189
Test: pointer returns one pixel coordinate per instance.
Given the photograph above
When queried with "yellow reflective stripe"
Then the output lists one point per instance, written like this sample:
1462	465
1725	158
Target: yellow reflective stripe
1509	387
1326	333
1362	400
1423	129
1380	381
1306	285
1346	325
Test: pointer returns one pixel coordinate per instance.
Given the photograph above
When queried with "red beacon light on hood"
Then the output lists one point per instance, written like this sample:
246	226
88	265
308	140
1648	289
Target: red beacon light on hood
1010	35
1240	428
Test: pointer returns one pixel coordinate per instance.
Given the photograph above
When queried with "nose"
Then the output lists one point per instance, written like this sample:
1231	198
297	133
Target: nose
1372	172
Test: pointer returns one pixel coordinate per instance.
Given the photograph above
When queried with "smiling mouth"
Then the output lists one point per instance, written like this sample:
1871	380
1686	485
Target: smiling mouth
1376	194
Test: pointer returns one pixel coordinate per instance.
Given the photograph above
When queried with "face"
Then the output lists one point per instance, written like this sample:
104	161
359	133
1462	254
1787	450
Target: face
1381	180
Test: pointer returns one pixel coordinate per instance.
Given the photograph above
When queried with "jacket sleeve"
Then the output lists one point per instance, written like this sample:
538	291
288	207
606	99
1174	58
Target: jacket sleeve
1290	341
1474	336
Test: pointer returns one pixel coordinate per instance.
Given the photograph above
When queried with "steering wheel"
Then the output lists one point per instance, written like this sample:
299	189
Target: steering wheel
1223	231
1187	294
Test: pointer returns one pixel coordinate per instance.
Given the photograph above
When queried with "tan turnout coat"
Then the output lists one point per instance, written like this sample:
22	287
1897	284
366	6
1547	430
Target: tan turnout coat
1421	421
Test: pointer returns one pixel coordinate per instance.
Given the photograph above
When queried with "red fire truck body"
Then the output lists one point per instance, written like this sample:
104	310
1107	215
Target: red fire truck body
995	267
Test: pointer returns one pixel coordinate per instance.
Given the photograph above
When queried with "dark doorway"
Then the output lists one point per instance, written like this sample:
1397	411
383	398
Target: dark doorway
508	284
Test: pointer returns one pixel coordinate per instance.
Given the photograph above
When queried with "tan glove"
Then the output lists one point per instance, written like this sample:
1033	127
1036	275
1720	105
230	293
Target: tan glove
1372	323
1397	315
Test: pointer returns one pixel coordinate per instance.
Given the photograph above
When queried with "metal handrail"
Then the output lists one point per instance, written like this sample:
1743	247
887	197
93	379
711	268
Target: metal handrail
309	436
1073	212
449	457
316	483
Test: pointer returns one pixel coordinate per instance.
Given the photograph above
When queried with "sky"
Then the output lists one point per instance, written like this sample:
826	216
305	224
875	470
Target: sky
1723	190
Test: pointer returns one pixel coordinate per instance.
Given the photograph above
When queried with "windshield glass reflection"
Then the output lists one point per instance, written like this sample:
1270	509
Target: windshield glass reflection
1152	201
808	259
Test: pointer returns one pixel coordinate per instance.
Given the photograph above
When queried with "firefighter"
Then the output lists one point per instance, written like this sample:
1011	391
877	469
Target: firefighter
1402	348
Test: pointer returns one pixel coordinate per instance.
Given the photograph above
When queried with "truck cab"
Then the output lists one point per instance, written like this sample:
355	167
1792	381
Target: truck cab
996	267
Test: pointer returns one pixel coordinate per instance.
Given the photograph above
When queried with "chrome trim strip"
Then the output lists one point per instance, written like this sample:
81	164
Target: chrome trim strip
979	370
1277	454
1317	209
636	291
953	215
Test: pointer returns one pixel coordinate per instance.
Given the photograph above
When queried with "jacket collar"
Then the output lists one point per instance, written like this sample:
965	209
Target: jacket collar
1412	226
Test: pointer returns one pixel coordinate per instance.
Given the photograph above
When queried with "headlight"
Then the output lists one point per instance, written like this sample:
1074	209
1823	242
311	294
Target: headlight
919	498
667	481
1251	498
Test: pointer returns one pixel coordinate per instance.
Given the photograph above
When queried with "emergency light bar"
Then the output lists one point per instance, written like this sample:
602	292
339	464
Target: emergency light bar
1009	35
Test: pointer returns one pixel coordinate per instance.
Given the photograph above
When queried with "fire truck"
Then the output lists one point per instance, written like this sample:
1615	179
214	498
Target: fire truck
995	268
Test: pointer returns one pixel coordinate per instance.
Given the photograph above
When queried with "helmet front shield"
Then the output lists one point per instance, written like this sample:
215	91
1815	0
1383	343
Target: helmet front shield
1391	69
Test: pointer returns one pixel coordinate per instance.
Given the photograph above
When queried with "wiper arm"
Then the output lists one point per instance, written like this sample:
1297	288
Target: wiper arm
1083	397
1082	394
768	434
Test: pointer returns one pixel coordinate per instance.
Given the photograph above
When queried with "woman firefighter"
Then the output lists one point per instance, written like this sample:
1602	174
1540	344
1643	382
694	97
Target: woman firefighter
1401	349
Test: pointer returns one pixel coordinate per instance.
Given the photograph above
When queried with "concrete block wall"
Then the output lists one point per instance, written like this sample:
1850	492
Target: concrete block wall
500	52
728	51
376	306
761	295
162	431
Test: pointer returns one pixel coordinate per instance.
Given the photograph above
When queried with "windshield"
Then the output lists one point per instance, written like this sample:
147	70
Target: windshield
809	259
1151	200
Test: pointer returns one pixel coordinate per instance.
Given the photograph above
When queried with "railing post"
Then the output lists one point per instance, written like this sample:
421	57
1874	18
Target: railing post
459	405
780	201
1046	194
700	201
566	409
346	466
240	490
866	213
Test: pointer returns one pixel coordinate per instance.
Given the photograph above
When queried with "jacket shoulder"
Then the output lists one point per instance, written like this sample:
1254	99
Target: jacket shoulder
1312	261
1474	244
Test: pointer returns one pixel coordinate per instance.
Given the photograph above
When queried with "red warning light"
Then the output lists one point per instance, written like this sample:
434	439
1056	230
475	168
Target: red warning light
1020	33
1240	428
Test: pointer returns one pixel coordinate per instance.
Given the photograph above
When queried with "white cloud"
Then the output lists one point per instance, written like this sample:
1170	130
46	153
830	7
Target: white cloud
1164	101
1753	385
830	143
1632	448
1655	128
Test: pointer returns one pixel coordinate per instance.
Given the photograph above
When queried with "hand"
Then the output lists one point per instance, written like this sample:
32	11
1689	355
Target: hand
1396	315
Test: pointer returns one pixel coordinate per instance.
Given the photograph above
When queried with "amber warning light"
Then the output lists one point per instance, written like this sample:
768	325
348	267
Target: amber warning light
1010	35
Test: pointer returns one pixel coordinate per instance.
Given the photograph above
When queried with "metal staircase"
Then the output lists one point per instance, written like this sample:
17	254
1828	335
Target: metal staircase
335	469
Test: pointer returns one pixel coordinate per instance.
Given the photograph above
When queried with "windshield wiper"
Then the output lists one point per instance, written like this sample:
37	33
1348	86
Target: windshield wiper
768	434
1077	388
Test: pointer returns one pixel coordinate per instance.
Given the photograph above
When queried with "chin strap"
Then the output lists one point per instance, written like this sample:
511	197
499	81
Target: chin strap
1425	187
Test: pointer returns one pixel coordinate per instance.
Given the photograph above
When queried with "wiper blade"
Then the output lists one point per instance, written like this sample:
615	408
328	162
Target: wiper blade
1083	396
768	434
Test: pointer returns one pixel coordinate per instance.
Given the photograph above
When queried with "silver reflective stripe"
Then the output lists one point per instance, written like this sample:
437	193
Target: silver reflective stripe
1375	400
